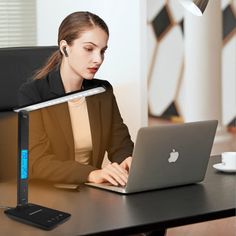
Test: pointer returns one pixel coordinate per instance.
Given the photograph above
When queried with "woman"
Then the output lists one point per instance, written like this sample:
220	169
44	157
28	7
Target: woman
68	141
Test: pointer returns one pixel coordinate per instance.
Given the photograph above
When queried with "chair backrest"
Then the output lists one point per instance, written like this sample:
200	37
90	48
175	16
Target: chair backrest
17	65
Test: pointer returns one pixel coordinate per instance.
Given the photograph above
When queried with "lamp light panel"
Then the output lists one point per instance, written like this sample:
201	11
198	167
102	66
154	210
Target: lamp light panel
65	98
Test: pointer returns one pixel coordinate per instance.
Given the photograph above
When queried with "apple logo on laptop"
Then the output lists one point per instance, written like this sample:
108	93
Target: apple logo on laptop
173	156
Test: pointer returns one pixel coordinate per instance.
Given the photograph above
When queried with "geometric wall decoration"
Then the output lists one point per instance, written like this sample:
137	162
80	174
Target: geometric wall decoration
151	47
166	63
229	22
181	23
166	59
228	64
229	80
162	23
153	8
171	111
232	126
165	76
176	9
233	122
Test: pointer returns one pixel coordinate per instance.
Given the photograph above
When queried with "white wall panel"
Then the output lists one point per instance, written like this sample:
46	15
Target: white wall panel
224	3
229	81
153	7
177	10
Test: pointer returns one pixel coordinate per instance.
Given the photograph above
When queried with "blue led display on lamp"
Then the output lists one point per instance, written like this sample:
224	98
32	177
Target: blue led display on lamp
24	164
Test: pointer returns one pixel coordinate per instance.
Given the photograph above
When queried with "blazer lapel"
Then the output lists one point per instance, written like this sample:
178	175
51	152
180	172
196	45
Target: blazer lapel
93	105
62	115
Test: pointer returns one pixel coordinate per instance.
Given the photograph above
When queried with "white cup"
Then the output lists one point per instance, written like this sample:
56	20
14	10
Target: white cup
229	159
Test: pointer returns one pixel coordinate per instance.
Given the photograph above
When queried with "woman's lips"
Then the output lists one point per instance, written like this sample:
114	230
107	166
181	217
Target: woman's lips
93	70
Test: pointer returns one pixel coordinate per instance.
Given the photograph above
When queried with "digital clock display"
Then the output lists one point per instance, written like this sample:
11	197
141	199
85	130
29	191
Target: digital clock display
24	164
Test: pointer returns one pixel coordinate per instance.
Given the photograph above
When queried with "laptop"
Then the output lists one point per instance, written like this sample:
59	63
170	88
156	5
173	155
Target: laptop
168	156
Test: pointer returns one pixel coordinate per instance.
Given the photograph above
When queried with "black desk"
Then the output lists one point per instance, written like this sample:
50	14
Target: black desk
97	211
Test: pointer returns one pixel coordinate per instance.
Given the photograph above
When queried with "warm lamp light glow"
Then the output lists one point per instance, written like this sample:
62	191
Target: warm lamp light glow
33	214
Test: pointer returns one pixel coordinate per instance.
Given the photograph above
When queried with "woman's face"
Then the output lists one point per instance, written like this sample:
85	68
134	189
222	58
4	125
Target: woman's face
86	54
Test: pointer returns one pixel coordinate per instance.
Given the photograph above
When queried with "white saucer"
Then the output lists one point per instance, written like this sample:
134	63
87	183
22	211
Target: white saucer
221	167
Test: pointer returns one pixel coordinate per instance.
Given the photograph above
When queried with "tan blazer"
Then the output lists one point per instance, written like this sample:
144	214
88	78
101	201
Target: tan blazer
51	145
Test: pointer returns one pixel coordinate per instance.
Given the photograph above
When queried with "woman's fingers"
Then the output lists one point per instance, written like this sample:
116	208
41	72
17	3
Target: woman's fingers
126	163
100	176
114	172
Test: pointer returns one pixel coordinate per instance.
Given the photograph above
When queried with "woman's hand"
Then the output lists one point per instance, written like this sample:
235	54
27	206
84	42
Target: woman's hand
126	163
113	173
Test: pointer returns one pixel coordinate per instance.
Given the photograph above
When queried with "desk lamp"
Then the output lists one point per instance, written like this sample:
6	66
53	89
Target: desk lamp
36	215
197	7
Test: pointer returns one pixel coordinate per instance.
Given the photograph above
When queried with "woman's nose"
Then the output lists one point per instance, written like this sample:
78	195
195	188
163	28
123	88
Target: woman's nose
98	58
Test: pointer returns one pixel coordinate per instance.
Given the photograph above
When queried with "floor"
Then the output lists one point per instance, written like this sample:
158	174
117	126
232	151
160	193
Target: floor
222	227
224	141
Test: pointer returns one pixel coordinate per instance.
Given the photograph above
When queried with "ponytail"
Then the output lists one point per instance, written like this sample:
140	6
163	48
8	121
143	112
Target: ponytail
53	61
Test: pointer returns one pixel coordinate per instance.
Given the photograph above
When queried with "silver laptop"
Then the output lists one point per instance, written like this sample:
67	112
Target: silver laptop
168	155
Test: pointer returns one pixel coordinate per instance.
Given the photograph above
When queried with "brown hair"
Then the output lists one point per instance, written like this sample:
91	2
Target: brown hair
70	29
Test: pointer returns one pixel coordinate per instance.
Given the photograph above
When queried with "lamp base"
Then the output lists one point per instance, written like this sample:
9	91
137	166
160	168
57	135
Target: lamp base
38	216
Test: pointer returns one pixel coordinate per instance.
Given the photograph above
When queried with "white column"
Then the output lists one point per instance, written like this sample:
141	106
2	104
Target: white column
201	98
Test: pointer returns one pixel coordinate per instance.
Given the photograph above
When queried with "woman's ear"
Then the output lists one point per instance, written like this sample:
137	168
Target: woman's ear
65	52
63	45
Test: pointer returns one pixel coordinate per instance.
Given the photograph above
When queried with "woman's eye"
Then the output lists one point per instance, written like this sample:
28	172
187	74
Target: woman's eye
88	49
